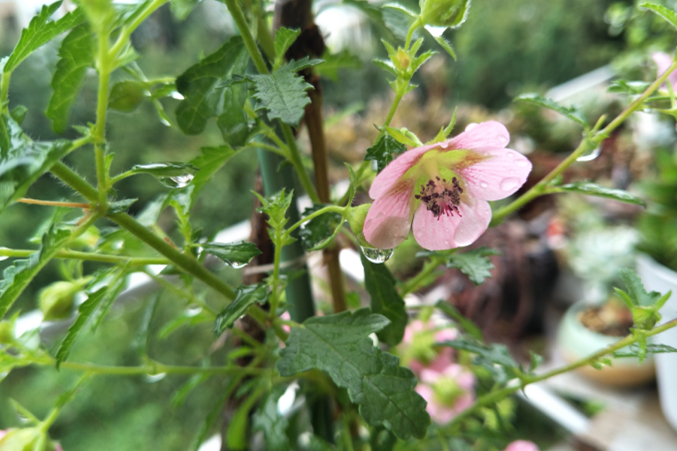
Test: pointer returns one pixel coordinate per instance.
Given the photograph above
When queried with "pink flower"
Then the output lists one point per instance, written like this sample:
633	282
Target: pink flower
663	62
444	188
447	393
419	352
522	445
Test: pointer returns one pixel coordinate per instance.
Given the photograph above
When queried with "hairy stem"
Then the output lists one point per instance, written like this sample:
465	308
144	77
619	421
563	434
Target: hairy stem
50	203
88	256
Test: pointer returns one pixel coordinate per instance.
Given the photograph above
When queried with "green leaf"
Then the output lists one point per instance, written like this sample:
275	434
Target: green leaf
18	113
276	207
284	38
210	160
383	149
446	45
340	345
202	85
466	324
232	118
335	61
283	93
475	263
23	161
488	356
593	189
636	290
188	318
404	136
20	274
181	8
113	289
273	425
143	335
245	297
385	300
120	206
236	255
40	31
191	384
662	11
386	66
570	112
634	350
317	233
628	87
75	57
398	19
126	96
170	174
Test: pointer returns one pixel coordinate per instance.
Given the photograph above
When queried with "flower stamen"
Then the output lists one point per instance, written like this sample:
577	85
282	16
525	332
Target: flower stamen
441	197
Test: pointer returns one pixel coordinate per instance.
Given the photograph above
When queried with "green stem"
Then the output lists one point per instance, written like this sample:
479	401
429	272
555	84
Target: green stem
417	23
249	41
315	214
495	396
416	282
295	158
269	148
104	67
126	32
183	293
185	262
88	256
540	188
275	297
4	92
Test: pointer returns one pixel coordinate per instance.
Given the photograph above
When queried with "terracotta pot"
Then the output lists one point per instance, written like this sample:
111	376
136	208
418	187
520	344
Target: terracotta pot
576	341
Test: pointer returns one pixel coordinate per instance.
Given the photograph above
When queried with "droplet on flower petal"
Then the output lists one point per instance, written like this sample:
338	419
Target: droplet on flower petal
484	184
444	144
510	183
590	154
471	126
377	256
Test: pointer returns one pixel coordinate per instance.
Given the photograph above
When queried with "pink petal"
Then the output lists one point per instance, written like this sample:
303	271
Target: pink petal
663	62
442	360
446	334
443	414
389	219
463	402
486	134
426	392
498	176
392	173
449	232
2	433
429	376
522	445
416	366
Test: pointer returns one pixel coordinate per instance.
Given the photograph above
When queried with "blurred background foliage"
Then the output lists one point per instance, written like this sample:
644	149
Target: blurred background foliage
504	49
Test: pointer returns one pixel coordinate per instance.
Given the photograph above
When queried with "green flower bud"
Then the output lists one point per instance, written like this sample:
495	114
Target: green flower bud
26	439
356	217
444	13
126	96
56	300
6	332
645	318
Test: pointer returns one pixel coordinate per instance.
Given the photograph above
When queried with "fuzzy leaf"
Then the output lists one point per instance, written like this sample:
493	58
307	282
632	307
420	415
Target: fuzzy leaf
593	189
40	31
475	263
383	149
75	56
339	344
235	254
385	300
86	310
570	112
635	350
202	85
446	45
628	87
488	356
246	296
662	11
284	38
636	290
317	233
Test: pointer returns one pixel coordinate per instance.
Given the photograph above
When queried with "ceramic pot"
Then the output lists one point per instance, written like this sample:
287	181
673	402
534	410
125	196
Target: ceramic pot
576	341
657	277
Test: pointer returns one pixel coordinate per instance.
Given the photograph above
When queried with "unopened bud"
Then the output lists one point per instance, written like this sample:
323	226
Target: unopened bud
126	96
403	59
56	301
645	318
26	439
444	13
356	217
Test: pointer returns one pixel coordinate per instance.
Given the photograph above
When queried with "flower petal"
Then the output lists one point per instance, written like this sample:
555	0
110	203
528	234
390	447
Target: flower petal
486	134
663	61
449	232
389	219
392	173
498	176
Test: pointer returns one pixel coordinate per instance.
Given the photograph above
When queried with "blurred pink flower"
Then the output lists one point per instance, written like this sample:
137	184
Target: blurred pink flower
444	188
285	316
522	445
419	353
663	61
2	433
448	392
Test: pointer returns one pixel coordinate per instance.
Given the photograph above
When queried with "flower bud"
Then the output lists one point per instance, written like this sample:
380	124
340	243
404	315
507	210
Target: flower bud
356	217
56	300
126	96
6	332
645	318
444	13
26	439
403	59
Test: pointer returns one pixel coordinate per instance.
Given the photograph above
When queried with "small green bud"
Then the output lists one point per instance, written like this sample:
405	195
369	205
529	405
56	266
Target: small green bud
26	439
356	217
645	318
56	300
126	96
402	59
444	13
6	332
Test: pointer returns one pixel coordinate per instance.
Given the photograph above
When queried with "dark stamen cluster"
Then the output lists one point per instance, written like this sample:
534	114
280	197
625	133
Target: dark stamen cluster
441	198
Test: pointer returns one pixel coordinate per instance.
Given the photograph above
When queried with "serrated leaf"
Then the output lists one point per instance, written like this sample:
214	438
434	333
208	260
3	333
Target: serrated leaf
446	45
120	206
245	296
635	350
340	345
40	31
383	149
85	311
662	11
593	189
317	233
268	420
385	300
202	85
23	161
75	57
113	290
386	66
276	207
570	112
636	290
475	263
182	8
235	254
20	274
335	61
488	356
284	38
283	93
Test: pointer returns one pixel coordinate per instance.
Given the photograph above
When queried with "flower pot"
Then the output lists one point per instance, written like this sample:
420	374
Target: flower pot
576	341
657	277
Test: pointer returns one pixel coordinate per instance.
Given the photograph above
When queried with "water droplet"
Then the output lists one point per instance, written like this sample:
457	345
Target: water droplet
647	110
483	184
377	256
152	378
176	95
444	144
435	31
165	122
238	265
590	154
471	126
193	311
510	183
3	257
178	181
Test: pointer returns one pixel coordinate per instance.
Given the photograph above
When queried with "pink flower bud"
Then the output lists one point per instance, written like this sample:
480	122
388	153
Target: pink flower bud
522	445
